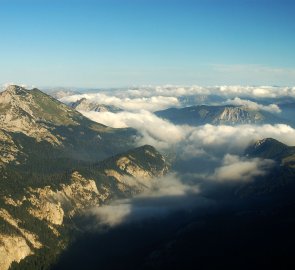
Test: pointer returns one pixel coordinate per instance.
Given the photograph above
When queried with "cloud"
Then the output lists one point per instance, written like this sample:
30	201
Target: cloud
154	130
169	185
113	214
203	141
161	197
273	108
235	168
229	91
153	103
154	98
228	139
193	141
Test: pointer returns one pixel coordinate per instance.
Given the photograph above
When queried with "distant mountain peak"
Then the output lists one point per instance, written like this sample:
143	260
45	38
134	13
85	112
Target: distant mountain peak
217	115
268	141
86	105
268	148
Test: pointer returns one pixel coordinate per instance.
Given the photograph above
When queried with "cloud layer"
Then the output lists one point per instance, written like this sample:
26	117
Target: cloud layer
235	168
153	103
161	197
193	141
227	91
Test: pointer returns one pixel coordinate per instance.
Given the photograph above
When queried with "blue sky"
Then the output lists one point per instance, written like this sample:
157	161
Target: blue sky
113	43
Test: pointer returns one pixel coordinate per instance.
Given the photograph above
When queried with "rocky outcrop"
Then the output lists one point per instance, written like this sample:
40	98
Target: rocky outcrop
18	245
29	236
238	115
8	148
12	249
85	105
81	193
19	116
69	199
140	164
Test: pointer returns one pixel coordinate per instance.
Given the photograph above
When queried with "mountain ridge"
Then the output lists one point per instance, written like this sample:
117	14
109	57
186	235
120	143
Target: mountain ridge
54	164
31	115
216	115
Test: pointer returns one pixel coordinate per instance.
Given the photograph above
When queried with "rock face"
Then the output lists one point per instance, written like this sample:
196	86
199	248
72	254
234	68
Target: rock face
30	117
55	206
55	164
86	105
216	115
9	149
12	248
21	111
142	163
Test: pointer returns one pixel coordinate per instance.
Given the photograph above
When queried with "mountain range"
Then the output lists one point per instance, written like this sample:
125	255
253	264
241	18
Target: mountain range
55	163
218	115
246	225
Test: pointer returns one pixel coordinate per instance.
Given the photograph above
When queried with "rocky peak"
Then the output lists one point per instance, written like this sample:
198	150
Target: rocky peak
86	105
13	95
268	148
16	90
238	114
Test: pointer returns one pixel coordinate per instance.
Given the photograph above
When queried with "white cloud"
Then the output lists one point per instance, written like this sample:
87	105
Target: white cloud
193	141
273	108
235	168
113	214
153	103
162	97
235	139
161	196
169	185
154	130
230	91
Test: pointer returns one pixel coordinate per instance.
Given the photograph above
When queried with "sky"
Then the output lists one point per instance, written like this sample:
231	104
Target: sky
118	43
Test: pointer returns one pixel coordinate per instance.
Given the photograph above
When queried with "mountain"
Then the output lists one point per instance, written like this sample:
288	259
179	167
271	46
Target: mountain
54	165
279	181
245	224
271	149
63	134
216	115
60	93
85	105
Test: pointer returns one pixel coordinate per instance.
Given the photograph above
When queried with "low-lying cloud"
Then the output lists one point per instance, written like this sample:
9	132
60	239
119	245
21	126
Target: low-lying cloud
234	139
227	91
153	103
153	129
235	168
273	108
161	197
193	141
